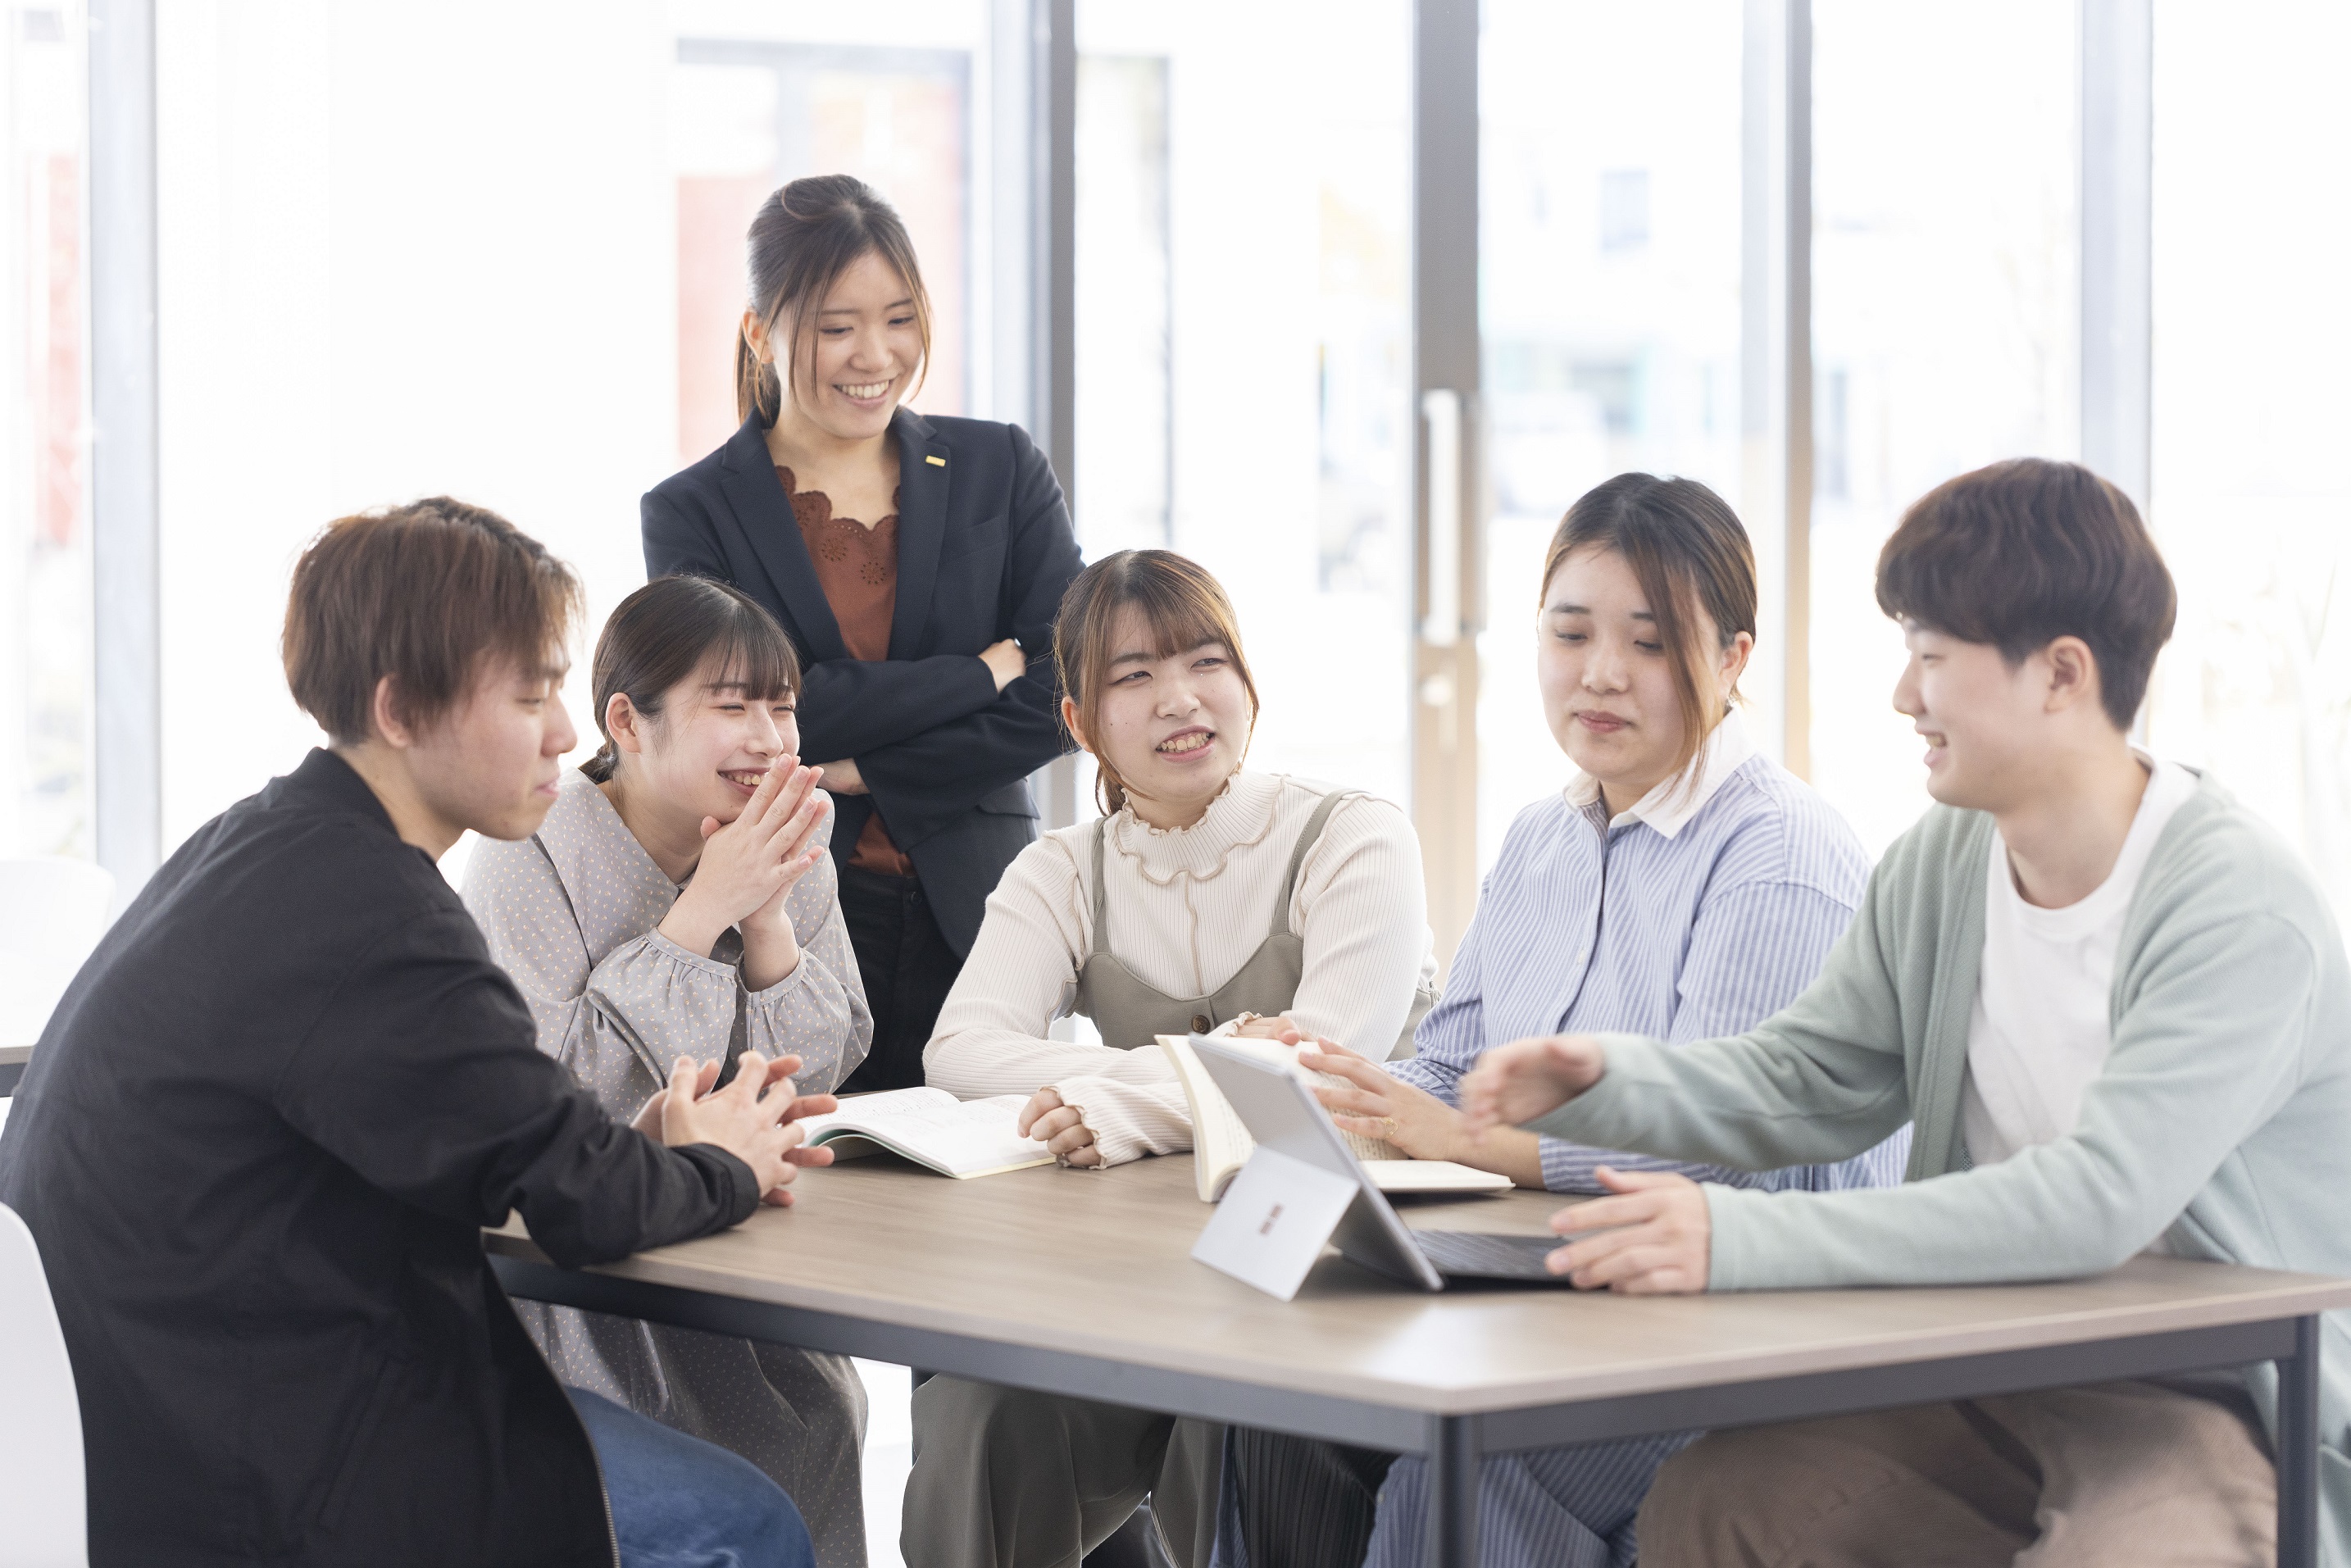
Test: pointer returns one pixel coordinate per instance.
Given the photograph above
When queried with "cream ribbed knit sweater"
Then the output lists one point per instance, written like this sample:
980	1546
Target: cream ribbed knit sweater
1187	907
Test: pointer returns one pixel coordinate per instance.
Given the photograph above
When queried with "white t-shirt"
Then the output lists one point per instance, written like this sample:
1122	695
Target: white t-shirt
2041	1027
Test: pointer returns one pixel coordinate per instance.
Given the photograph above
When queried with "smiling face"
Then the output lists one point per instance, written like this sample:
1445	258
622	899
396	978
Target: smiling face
706	751
491	762
1607	677
1172	727
857	358
1985	721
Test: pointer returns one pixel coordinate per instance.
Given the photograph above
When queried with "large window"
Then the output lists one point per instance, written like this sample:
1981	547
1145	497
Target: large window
2253	329
410	248
1242	342
1610	211
527	296
1945	322
46	782
749	115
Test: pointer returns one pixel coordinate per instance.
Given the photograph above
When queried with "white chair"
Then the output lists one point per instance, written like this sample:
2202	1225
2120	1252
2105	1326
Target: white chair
52	912
44	1510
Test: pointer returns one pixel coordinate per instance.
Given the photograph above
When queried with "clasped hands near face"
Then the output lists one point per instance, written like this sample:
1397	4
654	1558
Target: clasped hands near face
754	1118
747	869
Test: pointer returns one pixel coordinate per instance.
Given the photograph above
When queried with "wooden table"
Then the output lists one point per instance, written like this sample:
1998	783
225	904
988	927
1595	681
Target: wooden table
12	1066
1081	1282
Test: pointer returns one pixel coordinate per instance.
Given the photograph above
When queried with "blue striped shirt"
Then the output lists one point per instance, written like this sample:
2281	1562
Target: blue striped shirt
1679	922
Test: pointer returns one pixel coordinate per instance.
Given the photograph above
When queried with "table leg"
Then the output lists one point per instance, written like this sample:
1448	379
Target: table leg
1453	1452
2297	1449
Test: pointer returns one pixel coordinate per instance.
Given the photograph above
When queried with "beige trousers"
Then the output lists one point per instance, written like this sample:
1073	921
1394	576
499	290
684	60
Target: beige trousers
1005	1478
2118	1473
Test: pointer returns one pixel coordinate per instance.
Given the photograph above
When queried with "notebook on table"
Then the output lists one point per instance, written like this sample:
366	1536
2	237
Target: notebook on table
959	1138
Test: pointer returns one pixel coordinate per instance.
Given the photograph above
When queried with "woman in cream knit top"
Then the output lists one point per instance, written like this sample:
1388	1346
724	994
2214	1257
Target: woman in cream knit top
1200	924
1188	906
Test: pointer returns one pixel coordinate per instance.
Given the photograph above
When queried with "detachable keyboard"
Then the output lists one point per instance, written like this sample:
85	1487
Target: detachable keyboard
1475	1255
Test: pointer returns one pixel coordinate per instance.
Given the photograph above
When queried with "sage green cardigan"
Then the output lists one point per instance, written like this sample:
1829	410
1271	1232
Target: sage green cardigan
2221	1123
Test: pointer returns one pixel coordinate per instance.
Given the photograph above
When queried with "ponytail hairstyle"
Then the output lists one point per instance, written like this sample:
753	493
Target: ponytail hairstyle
1182	605
1692	558
669	629
805	237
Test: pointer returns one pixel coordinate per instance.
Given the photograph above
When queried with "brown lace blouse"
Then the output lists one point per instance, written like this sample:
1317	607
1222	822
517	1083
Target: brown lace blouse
857	567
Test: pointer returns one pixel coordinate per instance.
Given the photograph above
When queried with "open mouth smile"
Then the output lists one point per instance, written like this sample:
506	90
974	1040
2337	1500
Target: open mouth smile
863	391
1187	742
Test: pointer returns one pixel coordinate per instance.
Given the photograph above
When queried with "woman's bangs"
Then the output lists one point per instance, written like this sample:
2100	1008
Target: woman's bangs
757	660
1180	623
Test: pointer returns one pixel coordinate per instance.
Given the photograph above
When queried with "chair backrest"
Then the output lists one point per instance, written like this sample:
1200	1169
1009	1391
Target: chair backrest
43	1506
53	910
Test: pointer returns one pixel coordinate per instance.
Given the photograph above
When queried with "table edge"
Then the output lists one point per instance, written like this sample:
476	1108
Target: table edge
2297	1295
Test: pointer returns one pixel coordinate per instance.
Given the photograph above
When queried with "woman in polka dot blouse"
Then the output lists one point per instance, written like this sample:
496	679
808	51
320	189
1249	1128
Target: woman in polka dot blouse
679	901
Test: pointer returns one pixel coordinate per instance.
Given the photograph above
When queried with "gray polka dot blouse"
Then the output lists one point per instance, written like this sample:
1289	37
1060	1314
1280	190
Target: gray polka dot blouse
570	914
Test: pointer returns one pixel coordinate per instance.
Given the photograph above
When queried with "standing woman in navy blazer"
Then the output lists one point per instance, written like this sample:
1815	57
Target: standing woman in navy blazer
917	564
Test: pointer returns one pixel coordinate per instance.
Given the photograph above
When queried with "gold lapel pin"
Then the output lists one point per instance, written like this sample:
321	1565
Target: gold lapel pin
940	461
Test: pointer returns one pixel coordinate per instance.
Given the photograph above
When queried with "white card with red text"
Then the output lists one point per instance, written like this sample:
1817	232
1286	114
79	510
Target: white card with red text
1273	1220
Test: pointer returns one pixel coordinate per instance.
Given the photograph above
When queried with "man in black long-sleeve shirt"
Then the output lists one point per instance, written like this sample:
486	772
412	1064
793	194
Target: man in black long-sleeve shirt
258	1140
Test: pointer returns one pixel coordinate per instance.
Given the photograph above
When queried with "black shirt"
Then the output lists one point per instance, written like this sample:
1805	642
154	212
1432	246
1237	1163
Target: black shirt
257	1144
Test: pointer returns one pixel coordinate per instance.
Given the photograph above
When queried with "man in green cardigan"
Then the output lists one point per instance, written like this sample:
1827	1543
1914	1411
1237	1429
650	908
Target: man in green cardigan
2118	1011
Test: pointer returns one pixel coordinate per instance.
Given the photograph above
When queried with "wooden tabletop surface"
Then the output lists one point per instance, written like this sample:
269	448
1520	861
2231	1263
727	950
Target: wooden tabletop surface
1098	1263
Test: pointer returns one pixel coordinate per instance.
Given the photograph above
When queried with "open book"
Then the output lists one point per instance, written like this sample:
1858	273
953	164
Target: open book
960	1139
1221	1146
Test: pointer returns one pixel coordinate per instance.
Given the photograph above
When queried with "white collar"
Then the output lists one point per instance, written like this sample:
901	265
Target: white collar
1669	807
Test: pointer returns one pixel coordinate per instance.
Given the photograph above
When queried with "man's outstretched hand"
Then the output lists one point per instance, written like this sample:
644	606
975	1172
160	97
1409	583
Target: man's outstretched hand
1513	1084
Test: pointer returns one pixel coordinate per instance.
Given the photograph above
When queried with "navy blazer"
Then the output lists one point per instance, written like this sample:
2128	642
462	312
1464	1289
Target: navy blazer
985	551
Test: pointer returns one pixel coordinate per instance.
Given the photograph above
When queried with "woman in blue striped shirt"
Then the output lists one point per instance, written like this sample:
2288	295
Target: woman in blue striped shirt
1683	886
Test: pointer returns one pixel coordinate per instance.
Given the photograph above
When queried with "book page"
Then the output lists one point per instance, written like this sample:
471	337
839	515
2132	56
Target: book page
1274	1053
956	1137
859	1108
1433	1175
1221	1144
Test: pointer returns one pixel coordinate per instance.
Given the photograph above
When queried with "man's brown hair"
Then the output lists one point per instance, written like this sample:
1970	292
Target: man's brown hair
421	593
2023	552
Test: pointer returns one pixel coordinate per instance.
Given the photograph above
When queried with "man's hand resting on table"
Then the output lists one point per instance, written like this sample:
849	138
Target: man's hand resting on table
1061	1128
1654	1236
752	1118
1513	1084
